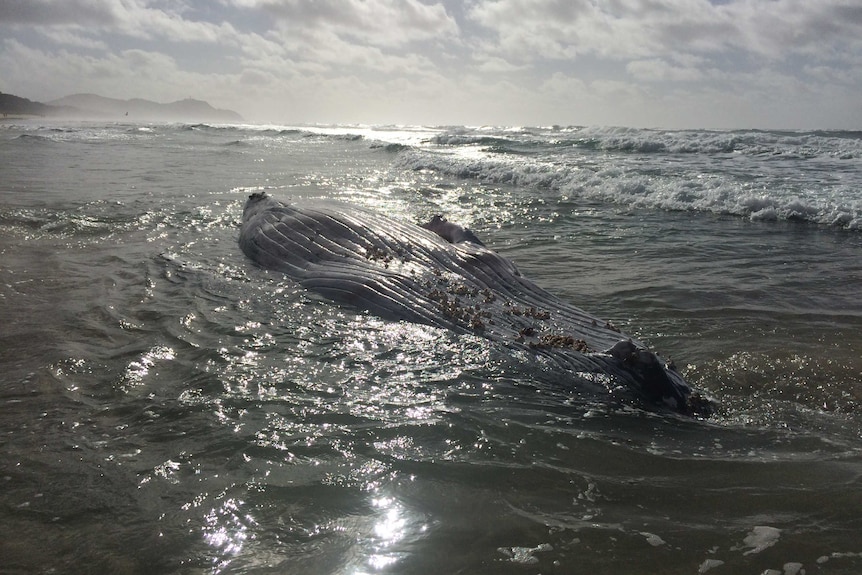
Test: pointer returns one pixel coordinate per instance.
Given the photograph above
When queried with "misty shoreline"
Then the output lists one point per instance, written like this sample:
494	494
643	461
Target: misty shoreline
95	107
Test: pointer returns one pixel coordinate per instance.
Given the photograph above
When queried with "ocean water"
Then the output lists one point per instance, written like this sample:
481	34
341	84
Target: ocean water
167	407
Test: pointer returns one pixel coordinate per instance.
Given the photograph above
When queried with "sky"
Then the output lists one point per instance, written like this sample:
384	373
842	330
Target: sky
780	64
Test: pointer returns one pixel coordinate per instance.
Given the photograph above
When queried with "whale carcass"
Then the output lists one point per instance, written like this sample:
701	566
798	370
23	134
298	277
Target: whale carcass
440	274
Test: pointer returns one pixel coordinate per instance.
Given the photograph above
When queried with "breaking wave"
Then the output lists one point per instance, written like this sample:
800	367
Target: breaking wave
741	173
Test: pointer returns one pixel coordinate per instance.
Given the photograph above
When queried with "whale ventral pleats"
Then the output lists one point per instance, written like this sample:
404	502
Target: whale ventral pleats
448	279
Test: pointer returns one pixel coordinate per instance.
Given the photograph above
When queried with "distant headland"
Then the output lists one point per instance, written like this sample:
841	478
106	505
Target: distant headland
93	107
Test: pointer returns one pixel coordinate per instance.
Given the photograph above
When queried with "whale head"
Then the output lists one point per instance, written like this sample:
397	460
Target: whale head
658	382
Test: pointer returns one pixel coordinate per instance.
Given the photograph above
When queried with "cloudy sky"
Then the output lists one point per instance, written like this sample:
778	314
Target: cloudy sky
643	63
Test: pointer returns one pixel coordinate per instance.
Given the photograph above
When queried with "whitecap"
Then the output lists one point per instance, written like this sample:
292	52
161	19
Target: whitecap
760	538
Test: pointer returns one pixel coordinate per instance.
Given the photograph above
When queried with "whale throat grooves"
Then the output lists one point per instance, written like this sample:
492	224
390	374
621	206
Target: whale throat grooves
441	275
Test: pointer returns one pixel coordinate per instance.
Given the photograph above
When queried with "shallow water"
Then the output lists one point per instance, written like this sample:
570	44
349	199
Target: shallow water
170	408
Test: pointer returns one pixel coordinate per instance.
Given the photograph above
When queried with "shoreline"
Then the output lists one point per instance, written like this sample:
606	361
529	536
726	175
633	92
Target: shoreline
14	116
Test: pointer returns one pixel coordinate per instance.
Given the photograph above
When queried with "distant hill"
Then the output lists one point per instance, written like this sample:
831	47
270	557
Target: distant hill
187	110
16	106
91	106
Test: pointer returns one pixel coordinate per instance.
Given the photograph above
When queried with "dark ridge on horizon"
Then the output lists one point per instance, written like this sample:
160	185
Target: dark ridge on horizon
92	106
18	106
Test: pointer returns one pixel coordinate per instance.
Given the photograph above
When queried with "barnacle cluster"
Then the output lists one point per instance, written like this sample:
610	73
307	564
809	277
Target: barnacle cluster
474	307
561	341
528	311
375	254
461	289
453	307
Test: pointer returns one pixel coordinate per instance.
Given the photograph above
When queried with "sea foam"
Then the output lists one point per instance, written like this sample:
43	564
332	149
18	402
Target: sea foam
764	176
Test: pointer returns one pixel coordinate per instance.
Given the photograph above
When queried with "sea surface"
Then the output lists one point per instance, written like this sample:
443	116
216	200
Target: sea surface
168	407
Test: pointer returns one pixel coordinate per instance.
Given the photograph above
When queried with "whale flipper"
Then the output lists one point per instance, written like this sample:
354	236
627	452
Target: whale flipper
450	232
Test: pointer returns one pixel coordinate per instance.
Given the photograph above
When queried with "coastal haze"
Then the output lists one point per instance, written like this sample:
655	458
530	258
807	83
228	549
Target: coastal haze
93	107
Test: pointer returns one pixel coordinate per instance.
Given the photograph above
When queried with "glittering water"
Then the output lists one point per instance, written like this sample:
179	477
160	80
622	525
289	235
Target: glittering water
169	408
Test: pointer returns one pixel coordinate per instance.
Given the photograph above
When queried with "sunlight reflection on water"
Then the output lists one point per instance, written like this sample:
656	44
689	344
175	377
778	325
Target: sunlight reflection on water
226	530
393	525
138	370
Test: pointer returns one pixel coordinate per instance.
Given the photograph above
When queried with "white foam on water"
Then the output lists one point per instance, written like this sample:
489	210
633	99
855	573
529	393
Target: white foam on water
737	173
525	555
760	538
709	564
653	539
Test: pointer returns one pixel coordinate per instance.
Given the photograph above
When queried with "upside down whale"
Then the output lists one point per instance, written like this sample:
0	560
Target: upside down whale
440	274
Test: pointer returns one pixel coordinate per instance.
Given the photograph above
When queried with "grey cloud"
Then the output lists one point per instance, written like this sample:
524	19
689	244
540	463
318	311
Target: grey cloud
628	29
55	12
789	27
135	19
376	22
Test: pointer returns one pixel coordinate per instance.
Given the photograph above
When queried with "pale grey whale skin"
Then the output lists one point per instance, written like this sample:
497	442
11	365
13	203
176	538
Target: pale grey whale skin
445	277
